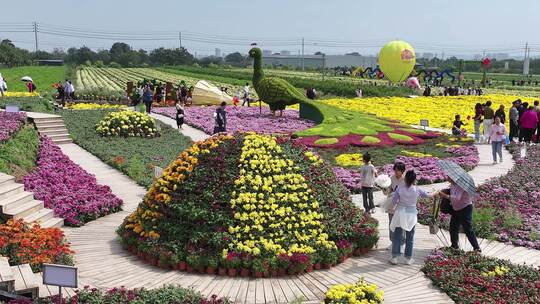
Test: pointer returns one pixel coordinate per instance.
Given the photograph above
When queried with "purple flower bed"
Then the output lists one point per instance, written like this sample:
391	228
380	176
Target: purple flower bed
241	119
517	191
426	168
9	124
349	178
68	189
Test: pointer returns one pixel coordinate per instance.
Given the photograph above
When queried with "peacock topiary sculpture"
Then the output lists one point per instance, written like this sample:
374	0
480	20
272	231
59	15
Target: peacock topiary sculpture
276	92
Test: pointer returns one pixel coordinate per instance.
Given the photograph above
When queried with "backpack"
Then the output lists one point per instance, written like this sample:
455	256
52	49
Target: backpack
33	87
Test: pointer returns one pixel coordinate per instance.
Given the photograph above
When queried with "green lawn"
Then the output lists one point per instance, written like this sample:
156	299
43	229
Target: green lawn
43	76
134	156
31	104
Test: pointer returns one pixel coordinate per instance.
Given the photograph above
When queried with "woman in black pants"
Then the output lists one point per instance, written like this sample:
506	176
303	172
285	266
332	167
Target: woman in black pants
461	216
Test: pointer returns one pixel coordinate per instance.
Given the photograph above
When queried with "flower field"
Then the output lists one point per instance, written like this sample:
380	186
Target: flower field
439	110
22	243
241	119
9	124
473	278
65	187
258	205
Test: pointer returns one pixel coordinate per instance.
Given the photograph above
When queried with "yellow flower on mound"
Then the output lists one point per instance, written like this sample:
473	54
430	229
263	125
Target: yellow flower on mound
270	203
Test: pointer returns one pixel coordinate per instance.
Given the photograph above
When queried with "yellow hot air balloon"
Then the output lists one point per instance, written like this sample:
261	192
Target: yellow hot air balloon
396	60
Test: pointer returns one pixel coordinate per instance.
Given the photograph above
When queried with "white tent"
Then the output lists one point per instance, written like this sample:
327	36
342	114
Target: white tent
207	94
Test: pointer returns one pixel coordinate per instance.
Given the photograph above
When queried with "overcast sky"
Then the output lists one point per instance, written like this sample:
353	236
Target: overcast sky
452	26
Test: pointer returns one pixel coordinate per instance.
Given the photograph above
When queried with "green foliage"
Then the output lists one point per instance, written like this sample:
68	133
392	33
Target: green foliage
134	156
31	104
326	141
43	77
370	140
18	155
511	219
484	221
400	137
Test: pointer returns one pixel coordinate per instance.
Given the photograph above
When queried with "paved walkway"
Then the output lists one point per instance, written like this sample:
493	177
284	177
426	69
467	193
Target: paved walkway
189	131
103	263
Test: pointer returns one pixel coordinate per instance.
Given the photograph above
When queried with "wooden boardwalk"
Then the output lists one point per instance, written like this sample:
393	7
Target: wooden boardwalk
104	264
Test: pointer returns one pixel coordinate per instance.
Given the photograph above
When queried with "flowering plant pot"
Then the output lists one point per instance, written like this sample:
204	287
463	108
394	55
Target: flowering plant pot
182	265
244	272
210	270
292	271
317	266
222	271
281	272
231	272
189	269
258	274
174	266
326	266
274	273
342	259
309	268
365	250
357	252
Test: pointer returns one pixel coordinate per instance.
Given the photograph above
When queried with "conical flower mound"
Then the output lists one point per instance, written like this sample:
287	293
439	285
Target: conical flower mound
247	201
274	208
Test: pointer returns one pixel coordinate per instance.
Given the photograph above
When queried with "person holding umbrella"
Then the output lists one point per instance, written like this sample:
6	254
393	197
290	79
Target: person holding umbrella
462	193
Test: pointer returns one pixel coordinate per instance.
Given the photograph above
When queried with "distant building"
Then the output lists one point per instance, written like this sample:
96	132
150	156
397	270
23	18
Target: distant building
267	52
428	55
285	53
217	52
317	61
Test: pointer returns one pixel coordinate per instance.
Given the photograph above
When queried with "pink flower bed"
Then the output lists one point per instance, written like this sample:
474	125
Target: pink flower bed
9	124
241	119
68	189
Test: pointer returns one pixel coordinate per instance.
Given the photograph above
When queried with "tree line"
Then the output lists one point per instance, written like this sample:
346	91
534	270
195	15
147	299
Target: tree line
119	55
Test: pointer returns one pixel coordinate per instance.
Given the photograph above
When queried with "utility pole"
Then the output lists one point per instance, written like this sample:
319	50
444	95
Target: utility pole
180	38
302	53
35	34
526	60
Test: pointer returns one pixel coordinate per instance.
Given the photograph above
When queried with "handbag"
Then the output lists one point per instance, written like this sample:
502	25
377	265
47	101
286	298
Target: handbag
446	205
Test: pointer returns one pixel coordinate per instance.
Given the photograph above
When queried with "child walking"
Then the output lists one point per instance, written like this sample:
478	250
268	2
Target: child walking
367	175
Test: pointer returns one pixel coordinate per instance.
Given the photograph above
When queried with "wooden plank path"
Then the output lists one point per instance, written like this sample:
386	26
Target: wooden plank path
104	264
